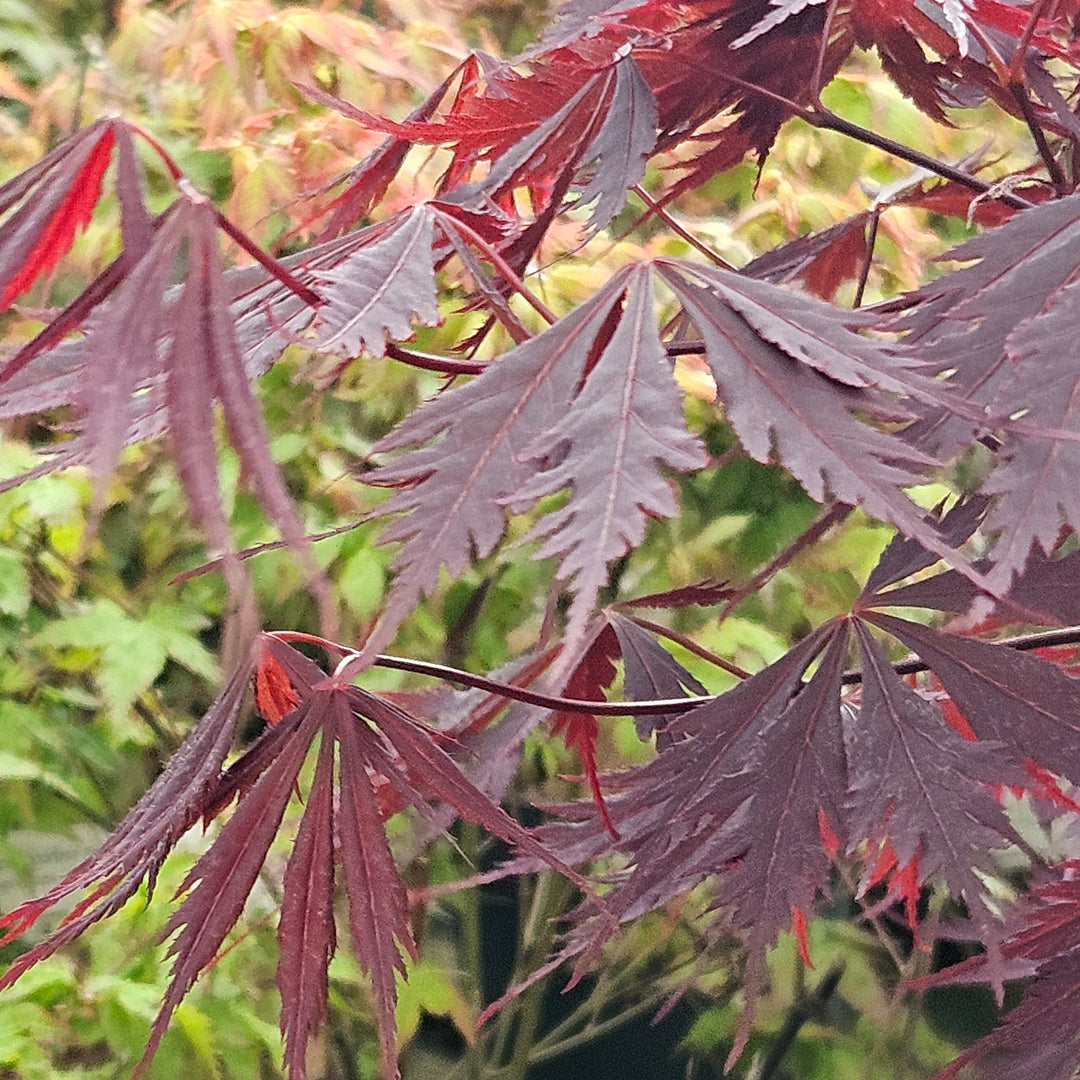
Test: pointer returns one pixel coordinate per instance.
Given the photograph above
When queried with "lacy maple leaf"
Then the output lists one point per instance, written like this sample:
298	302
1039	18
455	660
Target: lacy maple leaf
1003	326
792	377
761	789
373	742
596	390
1038	1039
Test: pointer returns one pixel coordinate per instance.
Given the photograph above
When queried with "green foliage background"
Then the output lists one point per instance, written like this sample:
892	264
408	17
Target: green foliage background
105	663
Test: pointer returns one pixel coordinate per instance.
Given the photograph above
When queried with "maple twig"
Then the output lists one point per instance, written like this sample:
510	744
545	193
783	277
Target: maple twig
836	514
1068	635
823	48
268	262
513	278
827	120
807	1007
1016	65
652	707
594	1029
868	256
258	549
685	347
662	213
692	646
1013	78
430	362
1057	177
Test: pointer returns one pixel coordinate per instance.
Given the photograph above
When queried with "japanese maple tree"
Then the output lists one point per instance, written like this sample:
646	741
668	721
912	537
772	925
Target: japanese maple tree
882	754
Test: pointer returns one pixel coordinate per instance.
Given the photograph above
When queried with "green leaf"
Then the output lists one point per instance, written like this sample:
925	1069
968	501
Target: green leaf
14	584
131	653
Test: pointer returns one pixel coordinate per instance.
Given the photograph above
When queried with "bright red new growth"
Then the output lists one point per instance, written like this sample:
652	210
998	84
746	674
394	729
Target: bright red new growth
829	840
274	693
73	213
580	731
798	926
957	721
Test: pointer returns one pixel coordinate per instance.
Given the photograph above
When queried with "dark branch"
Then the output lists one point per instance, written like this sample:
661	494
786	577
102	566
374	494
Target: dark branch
1069	635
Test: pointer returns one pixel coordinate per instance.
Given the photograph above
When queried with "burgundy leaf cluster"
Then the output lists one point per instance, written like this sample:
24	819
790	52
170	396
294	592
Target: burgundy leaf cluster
372	759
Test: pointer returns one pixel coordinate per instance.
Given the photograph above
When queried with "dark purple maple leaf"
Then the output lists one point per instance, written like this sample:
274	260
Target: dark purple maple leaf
792	376
904	556
374	743
373	288
796	778
1034	485
698	74
1038	1040
1014	698
589	404
577	19
650	673
936	51
1045	593
154	355
760	789
373	284
917	785
964	321
605	131
1005	326
717	801
705	593
607	448
615	159
306	931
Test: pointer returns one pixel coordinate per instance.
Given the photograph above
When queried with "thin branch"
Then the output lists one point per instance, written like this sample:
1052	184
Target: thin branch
653	707
836	514
508	272
1016	65
823	48
1068	635
1013	77
268	262
662	213
685	347
430	362
808	1007
258	549
1057	177
829	121
544	1051
868	258
692	646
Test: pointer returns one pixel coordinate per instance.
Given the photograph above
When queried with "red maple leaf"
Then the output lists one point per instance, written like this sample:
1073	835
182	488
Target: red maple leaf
588	680
367	738
52	201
